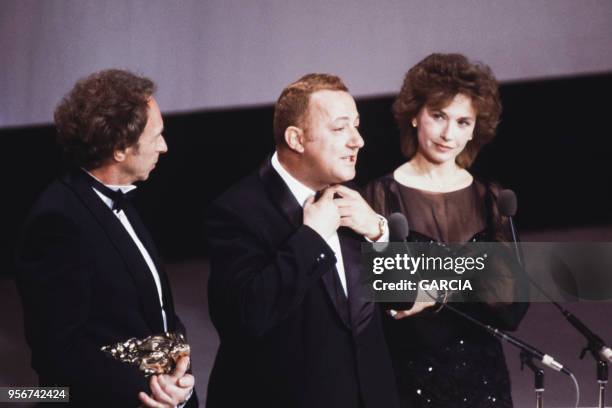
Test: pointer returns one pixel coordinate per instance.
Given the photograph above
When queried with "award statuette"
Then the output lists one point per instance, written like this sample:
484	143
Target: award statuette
154	354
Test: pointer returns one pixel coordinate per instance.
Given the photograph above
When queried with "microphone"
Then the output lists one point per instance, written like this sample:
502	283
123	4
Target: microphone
507	205
398	231
595	343
507	208
398	227
546	359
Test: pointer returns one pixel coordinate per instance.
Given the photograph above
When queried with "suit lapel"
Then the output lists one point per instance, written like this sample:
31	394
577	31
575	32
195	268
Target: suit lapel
147	241
280	194
334	289
360	308
125	246
285	201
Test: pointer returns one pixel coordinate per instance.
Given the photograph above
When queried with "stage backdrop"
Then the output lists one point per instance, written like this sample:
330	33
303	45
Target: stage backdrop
223	53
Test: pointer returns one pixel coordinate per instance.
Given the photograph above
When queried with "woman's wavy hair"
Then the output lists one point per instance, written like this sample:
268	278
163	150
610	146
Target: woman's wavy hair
434	82
104	112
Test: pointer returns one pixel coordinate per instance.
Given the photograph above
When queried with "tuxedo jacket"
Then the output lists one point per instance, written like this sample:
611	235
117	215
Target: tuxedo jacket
289	337
84	284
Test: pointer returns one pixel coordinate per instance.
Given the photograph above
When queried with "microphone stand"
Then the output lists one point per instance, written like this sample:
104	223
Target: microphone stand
602	380
595	343
515	240
594	346
538	377
528	353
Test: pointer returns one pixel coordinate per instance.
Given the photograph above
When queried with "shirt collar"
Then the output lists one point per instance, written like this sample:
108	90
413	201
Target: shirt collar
108	201
299	190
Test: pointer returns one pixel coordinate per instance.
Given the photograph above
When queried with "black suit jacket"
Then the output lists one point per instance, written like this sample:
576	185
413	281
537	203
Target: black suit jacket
289	336
84	284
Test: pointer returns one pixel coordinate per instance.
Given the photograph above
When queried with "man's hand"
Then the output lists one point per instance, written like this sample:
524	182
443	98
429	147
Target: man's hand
169	390
322	215
355	213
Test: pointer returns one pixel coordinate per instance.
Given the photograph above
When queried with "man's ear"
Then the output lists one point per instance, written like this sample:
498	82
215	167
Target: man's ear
294	137
119	154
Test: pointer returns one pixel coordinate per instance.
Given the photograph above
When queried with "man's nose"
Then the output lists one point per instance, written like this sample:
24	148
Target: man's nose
356	141
162	146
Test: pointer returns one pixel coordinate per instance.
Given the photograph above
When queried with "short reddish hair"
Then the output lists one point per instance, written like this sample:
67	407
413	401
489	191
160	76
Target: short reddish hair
292	104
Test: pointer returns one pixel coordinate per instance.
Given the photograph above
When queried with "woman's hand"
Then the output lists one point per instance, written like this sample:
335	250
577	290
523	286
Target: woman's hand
418	307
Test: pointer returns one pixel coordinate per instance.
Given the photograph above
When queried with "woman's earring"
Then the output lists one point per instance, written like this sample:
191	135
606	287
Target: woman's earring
414	123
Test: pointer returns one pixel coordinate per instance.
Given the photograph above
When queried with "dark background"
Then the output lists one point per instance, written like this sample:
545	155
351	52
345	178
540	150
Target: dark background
553	148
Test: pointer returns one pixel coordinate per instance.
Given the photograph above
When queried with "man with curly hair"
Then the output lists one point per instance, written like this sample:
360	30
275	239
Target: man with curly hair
87	269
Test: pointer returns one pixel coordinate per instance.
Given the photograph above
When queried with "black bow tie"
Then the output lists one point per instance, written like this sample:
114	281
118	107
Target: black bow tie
120	199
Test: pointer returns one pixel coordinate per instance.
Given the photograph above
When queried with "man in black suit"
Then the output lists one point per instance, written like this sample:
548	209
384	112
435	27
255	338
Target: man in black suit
87	269
284	268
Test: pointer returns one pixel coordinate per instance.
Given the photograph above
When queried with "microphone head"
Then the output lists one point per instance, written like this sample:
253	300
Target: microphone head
606	354
507	203
398	227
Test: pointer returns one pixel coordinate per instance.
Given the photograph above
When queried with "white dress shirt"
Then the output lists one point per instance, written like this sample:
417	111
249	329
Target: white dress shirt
128	227
145	254
301	194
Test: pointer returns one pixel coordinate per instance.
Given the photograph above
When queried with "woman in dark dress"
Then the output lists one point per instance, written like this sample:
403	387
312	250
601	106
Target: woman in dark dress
447	109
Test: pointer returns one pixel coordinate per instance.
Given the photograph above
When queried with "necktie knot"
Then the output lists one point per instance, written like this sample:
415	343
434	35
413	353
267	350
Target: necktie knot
119	198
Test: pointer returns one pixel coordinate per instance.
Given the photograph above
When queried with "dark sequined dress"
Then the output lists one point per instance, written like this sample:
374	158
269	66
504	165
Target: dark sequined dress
440	359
